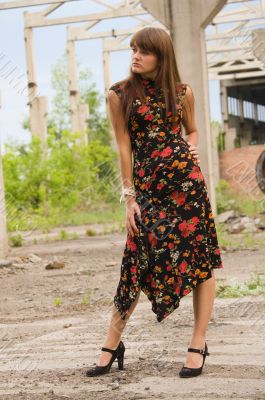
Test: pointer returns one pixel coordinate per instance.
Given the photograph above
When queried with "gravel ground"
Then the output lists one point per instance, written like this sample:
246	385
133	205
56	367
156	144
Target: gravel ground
45	350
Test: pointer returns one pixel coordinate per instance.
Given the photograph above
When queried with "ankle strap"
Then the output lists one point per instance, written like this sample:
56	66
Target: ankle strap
109	350
201	351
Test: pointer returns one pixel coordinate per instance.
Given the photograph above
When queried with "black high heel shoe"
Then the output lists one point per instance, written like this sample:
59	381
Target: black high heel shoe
187	372
116	354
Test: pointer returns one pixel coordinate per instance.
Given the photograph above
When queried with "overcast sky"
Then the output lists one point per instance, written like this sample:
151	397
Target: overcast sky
49	47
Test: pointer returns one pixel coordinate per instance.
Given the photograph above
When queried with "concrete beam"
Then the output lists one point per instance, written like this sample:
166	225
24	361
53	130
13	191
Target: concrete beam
38	19
27	3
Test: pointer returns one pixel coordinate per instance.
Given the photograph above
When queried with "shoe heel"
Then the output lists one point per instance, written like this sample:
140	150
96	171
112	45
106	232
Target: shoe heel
120	359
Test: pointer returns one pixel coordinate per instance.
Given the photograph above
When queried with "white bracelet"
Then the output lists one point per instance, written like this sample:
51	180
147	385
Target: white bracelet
127	190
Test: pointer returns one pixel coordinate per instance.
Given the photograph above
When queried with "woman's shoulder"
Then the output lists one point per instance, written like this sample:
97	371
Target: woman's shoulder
117	87
184	89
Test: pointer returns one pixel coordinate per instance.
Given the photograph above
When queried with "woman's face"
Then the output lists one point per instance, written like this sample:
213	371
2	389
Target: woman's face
143	62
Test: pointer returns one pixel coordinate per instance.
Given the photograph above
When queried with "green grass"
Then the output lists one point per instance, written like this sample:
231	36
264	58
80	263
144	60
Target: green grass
96	214
228	199
114	212
63	235
86	299
16	240
255	286
244	240
57	301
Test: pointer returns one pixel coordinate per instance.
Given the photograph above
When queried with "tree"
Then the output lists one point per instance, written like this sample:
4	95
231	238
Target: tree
98	126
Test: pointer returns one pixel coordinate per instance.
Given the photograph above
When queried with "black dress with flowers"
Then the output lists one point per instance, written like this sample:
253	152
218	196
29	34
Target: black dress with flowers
177	245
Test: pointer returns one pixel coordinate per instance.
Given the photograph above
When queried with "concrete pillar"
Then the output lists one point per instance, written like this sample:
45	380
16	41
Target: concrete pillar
106	69
214	136
37	105
224	110
241	108
78	112
107	81
186	20
256	119
74	95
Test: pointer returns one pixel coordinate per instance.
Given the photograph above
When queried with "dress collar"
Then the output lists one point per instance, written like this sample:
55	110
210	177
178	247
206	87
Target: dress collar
148	81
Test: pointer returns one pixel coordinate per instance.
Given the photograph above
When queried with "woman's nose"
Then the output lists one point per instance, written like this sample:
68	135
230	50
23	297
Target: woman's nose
136	55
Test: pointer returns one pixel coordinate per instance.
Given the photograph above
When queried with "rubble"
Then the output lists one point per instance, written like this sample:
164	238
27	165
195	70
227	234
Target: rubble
237	223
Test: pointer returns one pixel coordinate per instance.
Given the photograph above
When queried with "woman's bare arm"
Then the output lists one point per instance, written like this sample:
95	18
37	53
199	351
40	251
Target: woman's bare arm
122	138
188	117
125	152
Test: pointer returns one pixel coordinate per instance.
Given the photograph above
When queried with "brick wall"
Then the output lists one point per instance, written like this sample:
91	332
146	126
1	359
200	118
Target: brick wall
237	166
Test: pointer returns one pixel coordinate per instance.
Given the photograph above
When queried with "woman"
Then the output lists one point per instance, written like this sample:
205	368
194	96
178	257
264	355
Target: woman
171	247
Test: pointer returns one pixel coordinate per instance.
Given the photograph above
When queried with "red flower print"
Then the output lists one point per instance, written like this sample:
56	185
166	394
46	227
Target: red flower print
147	185
196	174
149	278
155	153
192	227
171	246
199	238
143	109
177	289
186	228
166	152
183	267
174	195
176	129
195	220
133	269
181	198
162	214
131	244
152	239
149	117
141	173
186	291
160	186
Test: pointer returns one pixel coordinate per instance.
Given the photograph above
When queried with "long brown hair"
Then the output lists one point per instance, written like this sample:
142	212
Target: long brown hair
158	42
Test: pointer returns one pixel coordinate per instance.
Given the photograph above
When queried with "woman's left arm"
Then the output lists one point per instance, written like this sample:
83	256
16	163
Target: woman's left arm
189	122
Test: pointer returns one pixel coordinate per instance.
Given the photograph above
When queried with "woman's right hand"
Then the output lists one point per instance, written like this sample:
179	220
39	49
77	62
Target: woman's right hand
132	207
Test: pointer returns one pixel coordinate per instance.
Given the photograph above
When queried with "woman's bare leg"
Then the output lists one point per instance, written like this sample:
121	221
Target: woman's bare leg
203	299
115	330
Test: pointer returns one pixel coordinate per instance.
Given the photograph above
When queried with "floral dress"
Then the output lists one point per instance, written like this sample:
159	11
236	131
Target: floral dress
177	245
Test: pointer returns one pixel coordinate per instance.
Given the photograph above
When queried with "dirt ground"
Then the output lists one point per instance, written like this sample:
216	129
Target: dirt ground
45	350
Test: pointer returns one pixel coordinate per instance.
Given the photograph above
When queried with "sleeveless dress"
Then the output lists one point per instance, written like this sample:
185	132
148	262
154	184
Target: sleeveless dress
177	245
